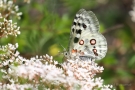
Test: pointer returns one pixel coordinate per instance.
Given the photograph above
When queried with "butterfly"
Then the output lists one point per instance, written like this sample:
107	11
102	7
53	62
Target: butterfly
85	38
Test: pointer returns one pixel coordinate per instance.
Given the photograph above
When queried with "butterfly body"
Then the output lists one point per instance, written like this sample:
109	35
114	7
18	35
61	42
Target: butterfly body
85	39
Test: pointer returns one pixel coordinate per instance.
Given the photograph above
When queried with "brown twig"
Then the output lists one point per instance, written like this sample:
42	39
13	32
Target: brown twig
113	28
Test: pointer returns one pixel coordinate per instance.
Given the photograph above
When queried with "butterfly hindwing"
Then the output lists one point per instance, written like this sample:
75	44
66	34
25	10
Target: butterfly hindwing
95	44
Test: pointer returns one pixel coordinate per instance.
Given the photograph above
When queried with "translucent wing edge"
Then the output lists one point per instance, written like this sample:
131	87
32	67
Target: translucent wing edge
94	21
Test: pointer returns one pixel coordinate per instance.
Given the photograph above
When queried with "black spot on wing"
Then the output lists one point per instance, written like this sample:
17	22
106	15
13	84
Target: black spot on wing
73	30
79	24
76	40
84	26
78	31
75	17
74	23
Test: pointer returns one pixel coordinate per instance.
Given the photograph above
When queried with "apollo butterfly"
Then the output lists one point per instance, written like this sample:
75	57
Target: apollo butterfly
85	38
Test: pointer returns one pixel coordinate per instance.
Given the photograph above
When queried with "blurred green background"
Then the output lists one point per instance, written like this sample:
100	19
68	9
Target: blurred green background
45	26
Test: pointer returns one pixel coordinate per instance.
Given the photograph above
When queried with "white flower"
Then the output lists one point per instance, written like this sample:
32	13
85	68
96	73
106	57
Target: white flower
43	70
9	28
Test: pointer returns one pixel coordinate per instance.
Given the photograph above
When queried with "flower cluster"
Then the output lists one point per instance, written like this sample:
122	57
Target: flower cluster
8	8
45	71
84	72
8	51
132	13
8	28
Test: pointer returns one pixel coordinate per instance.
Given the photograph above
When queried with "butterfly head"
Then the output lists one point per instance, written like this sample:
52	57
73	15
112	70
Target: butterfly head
66	54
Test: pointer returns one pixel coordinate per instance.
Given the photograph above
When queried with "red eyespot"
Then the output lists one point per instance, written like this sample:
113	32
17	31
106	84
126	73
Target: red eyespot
92	41
95	52
81	42
74	51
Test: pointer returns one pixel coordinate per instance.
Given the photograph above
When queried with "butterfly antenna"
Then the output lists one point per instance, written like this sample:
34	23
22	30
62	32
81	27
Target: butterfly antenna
63	48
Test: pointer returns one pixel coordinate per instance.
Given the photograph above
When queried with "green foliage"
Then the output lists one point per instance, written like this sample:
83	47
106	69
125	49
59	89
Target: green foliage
1	74
131	63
